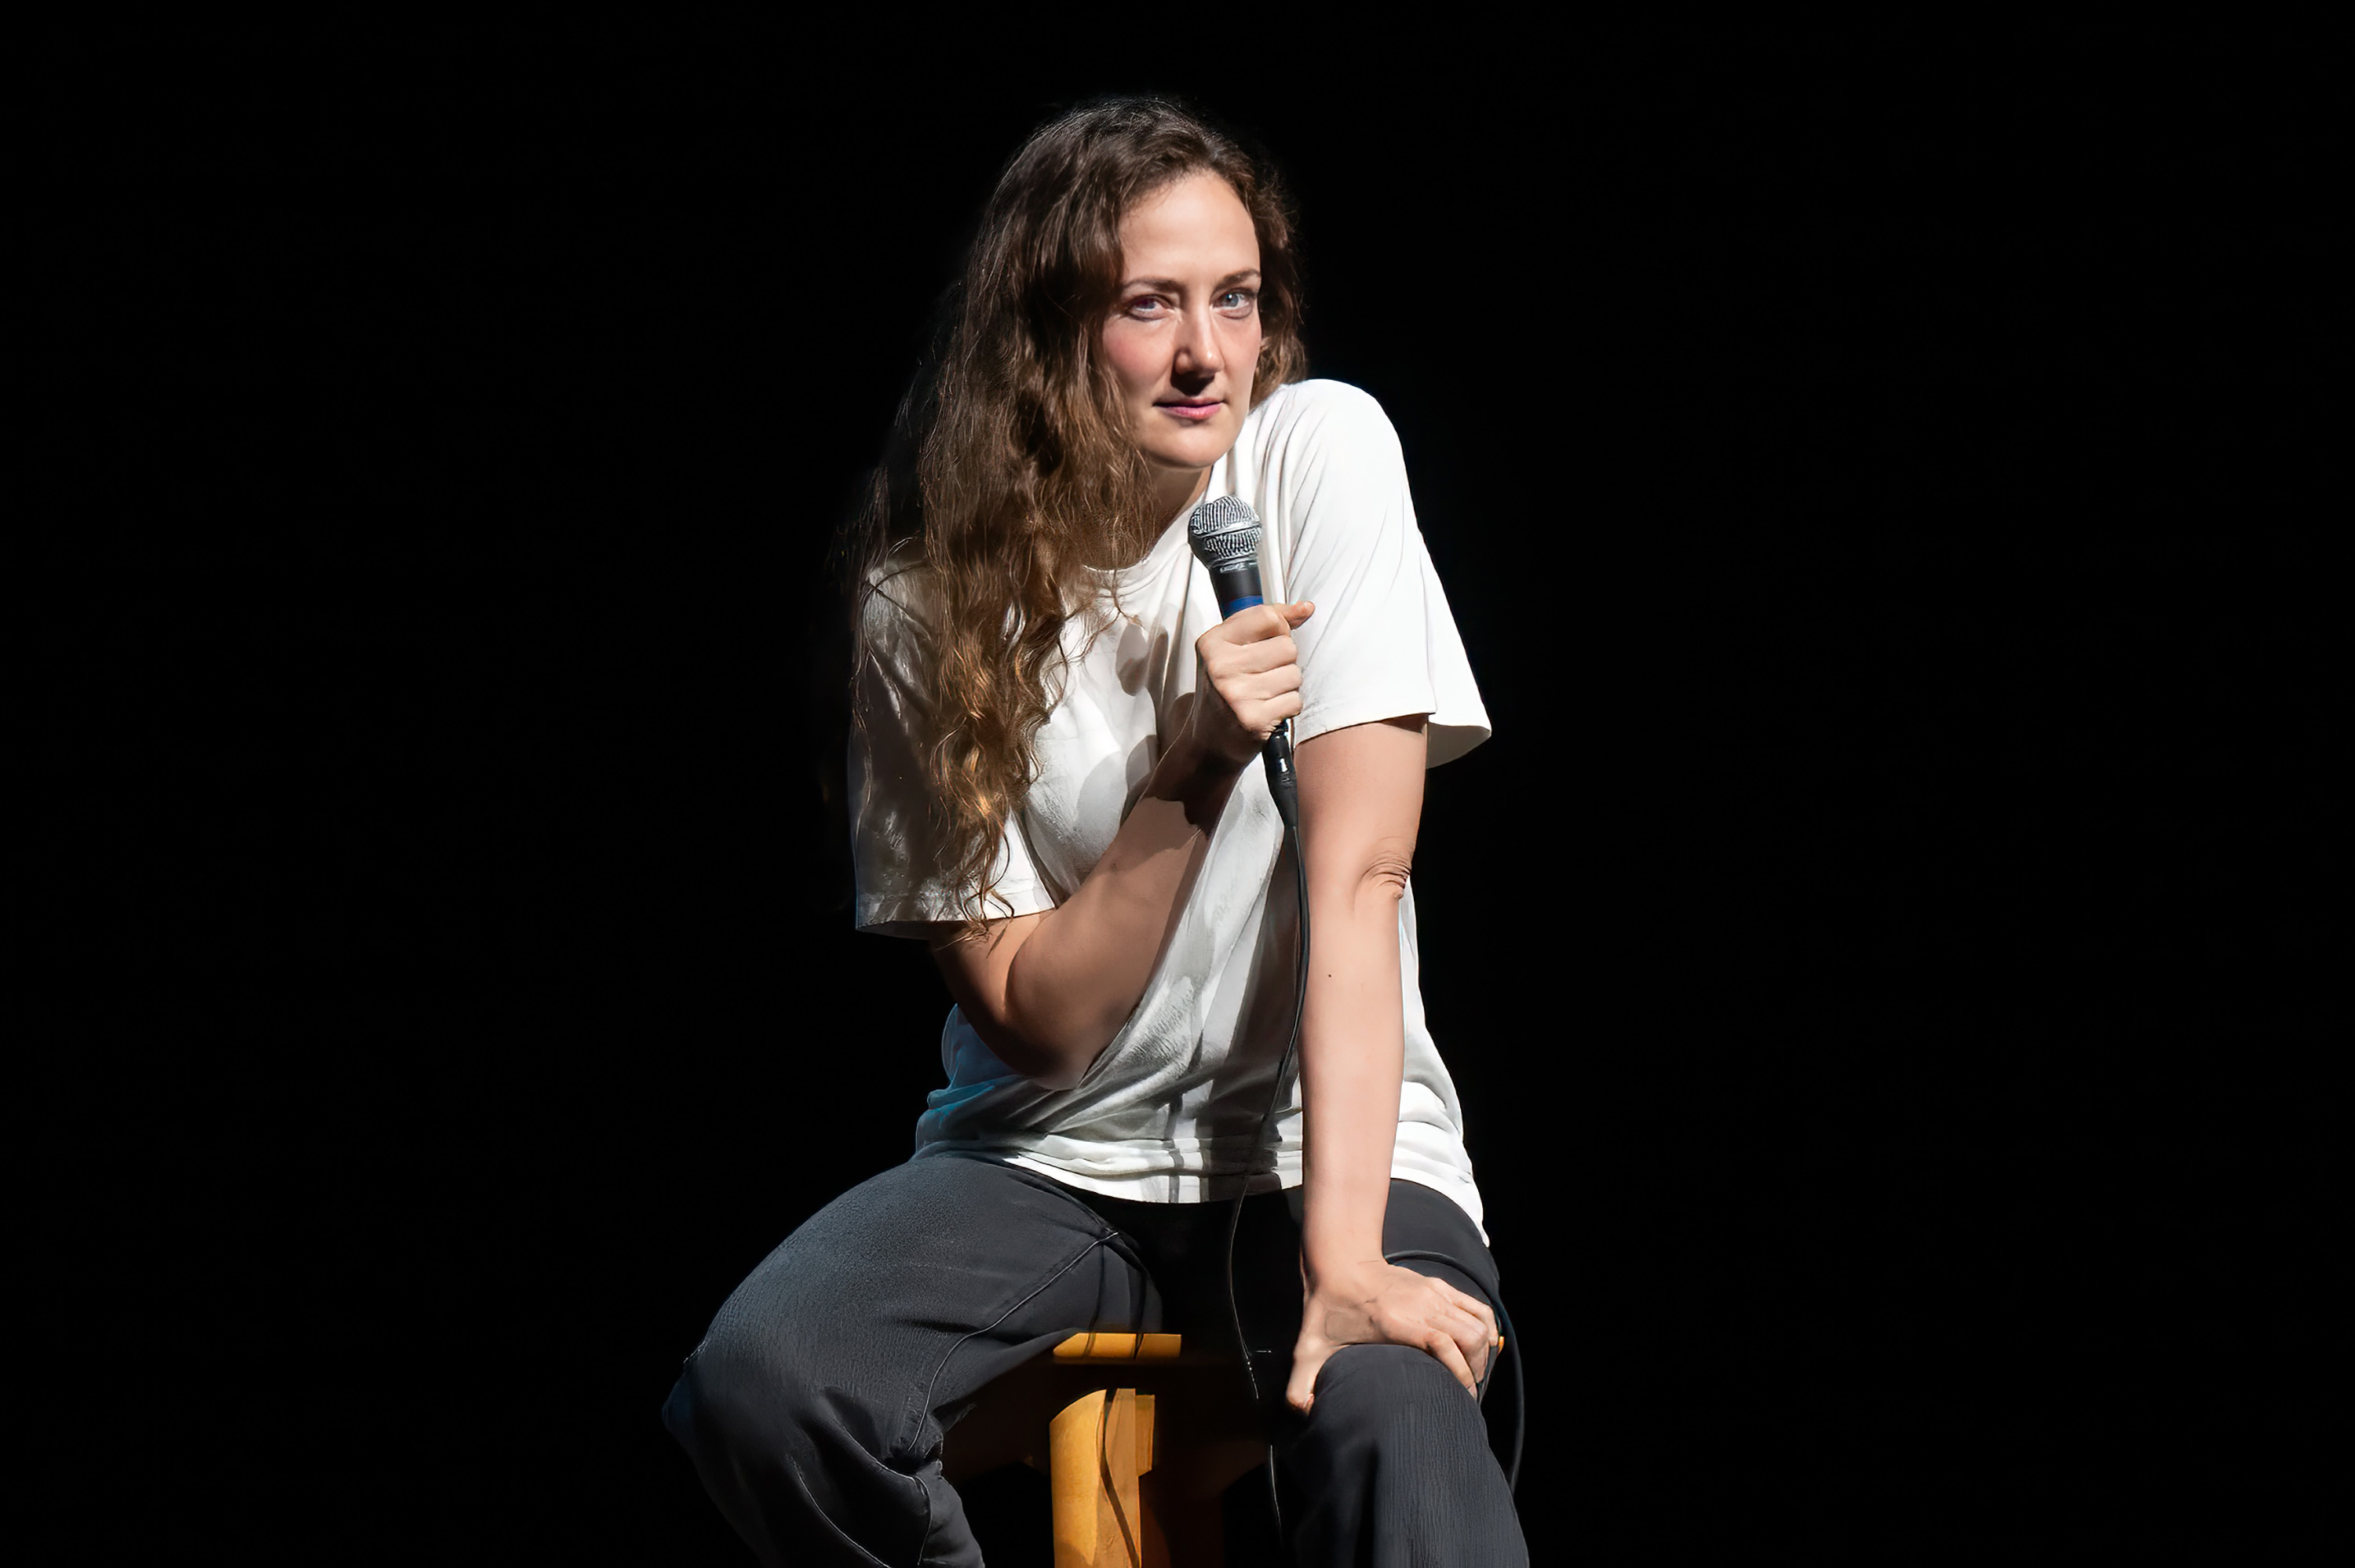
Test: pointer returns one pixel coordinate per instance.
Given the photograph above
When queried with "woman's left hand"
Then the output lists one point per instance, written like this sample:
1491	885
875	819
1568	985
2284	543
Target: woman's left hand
1378	1303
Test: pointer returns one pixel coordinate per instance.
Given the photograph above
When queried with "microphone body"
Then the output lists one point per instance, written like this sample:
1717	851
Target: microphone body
1224	532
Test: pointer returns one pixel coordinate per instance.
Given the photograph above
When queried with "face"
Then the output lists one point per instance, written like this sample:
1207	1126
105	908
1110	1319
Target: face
1184	335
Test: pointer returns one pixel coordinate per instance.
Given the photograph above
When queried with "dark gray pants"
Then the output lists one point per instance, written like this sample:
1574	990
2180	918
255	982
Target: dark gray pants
814	1408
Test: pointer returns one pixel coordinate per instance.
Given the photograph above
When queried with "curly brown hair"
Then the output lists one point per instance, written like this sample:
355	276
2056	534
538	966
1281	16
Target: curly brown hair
1012	469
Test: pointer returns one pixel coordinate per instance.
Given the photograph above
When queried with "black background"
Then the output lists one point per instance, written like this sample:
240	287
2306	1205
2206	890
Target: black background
1867	468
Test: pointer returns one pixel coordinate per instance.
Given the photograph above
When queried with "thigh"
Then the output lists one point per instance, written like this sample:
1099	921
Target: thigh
915	1288
1423	1230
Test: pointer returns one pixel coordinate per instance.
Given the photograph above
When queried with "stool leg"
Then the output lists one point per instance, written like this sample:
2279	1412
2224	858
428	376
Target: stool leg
1098	1526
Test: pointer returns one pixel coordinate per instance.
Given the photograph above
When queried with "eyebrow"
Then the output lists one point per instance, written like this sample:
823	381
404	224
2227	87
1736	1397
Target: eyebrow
1175	287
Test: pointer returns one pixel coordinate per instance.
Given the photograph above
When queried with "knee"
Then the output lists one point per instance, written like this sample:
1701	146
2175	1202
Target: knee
1383	1397
745	1390
1394	1462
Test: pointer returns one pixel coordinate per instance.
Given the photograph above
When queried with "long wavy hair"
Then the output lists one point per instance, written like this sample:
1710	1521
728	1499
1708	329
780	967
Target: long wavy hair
1011	468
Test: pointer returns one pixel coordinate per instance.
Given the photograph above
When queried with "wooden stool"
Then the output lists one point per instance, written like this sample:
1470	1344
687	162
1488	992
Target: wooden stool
1135	1471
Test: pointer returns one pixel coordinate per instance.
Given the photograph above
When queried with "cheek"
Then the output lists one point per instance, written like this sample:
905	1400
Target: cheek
1135	357
1246	350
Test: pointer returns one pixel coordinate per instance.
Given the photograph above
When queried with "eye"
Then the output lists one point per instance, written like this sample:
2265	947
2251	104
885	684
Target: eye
1238	301
1149	306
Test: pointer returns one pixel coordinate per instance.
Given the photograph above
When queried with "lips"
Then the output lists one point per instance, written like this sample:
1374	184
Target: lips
1193	410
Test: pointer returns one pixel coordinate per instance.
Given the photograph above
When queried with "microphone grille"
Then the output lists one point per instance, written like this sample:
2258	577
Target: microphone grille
1224	532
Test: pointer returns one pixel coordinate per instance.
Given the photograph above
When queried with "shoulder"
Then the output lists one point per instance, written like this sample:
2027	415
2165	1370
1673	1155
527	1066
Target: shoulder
897	591
896	608
1317	418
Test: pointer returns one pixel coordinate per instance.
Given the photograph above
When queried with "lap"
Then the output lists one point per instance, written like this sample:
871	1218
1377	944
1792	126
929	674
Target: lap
916	1287
913	1289
814	1408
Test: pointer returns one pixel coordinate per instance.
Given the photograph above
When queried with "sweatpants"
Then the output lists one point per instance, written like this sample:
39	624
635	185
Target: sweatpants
816	1407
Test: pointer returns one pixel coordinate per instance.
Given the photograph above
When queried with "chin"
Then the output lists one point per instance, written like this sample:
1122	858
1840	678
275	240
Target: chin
1195	449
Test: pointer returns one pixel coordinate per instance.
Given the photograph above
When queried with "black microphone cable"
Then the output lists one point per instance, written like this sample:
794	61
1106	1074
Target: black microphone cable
1283	785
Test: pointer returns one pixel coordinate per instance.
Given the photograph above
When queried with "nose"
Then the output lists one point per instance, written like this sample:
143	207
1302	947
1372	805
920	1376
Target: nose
1199	353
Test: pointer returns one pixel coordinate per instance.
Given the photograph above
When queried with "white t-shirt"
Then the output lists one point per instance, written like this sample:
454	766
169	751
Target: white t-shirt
1171	1111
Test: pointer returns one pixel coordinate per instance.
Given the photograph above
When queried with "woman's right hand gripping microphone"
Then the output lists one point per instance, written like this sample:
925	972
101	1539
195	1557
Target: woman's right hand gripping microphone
1251	666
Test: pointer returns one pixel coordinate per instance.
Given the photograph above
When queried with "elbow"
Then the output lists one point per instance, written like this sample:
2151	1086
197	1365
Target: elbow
1045	1057
1364	890
1042	1062
1383	875
1052	1068
1385	883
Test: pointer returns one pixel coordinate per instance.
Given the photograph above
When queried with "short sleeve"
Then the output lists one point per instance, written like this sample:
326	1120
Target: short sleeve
897	859
1383	642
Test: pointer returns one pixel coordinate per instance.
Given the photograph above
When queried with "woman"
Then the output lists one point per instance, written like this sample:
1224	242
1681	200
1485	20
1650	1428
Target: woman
1051	787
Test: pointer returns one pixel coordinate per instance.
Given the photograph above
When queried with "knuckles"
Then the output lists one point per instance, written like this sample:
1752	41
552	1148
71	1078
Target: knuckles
1261	623
1263	620
1230	658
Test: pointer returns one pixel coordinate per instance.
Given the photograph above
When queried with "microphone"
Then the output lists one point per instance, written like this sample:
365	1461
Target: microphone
1224	532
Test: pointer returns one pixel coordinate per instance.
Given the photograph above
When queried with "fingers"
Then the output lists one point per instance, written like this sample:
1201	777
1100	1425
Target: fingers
1273	618
1447	1314
1467	1321
1451	1356
1456	1329
1257	686
1254	658
1260	621
1261	718
1300	1390
1484	1324
1254	639
1258	702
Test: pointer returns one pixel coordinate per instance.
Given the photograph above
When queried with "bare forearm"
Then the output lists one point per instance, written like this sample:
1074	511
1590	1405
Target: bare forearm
1049	990
1352	1055
1360	799
1078	976
1352	1058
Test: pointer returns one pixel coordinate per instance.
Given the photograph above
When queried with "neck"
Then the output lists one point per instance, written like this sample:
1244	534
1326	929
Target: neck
1176	489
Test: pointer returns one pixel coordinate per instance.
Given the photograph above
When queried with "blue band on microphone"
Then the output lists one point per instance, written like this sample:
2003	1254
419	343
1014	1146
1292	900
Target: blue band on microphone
1245	602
